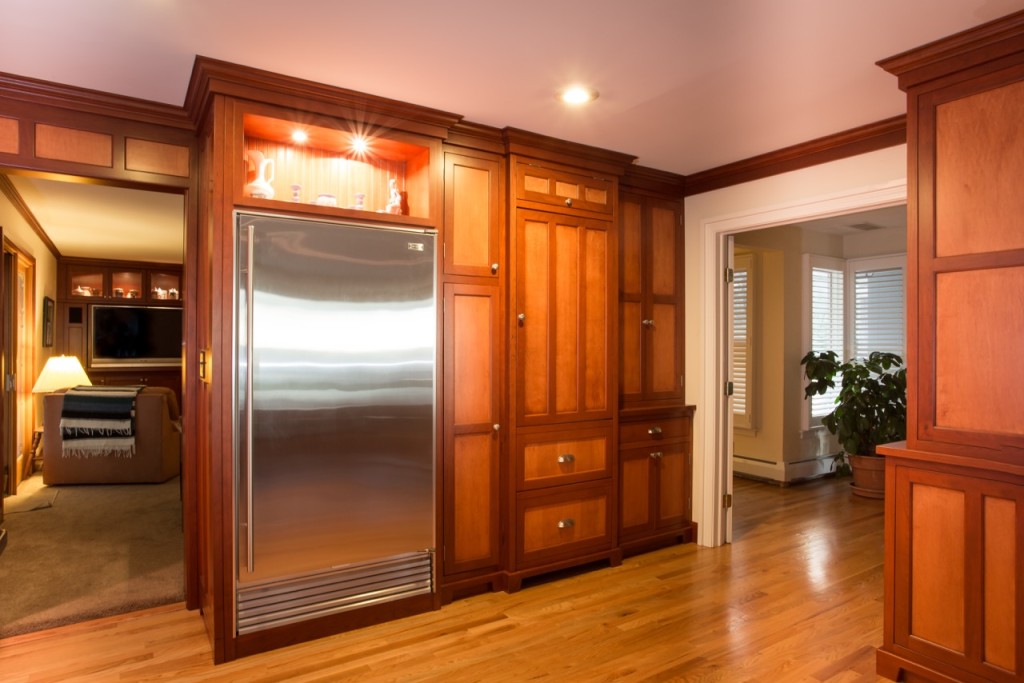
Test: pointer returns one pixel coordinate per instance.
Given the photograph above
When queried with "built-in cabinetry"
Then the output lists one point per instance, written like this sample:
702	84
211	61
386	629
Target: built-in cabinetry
655	425
92	293
530	476
562	313
473	365
954	597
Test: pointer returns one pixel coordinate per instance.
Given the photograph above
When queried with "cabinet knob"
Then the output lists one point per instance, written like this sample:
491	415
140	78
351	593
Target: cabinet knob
568	201
647	323
566	523
494	268
654	431
521	318
566	458
497	426
657	455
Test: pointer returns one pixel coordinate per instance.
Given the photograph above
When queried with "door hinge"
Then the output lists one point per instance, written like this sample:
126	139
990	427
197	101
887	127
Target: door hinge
727	500
729	274
728	388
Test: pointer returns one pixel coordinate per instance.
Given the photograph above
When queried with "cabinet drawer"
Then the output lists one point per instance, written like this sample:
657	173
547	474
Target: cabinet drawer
554	460
565	190
648	431
563	523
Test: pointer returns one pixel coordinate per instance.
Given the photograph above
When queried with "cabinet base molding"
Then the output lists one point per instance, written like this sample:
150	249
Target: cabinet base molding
458	589
686	534
514	580
897	668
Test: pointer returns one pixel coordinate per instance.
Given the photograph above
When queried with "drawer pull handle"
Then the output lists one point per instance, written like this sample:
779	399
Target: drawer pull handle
566	523
566	458
657	455
654	431
647	323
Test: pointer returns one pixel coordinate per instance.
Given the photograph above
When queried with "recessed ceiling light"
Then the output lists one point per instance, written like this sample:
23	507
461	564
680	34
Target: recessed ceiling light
299	136
360	145
578	94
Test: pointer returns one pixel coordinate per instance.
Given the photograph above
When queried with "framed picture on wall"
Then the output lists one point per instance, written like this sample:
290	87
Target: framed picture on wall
47	321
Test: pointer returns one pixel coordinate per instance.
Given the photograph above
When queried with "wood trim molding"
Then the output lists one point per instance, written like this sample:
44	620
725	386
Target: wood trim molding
984	43
38	92
215	77
544	147
662	183
869	138
11	192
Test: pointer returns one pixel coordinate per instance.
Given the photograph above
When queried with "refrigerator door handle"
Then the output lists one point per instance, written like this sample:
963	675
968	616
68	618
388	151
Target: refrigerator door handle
250	259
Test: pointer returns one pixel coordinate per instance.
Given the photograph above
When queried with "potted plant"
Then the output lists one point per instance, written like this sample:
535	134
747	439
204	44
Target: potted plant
871	409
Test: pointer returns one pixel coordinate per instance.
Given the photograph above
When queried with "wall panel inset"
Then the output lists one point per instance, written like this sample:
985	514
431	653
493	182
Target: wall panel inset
938	566
979	316
78	146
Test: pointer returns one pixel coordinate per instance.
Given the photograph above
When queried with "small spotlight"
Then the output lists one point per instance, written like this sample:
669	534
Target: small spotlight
360	145
299	136
578	94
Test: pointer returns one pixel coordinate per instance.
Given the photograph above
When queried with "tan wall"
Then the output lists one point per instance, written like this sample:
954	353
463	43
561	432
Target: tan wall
19	232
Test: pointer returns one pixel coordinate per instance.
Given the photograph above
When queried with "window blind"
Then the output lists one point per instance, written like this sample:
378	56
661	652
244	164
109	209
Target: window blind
878	318
826	327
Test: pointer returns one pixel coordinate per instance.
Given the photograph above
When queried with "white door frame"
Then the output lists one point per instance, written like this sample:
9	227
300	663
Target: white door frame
714	478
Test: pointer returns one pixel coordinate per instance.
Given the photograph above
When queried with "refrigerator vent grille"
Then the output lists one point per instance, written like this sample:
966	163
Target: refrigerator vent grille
358	585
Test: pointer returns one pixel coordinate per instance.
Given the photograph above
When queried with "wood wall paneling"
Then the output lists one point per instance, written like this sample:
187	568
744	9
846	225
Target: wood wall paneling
9	142
938	566
1001	562
973	135
156	157
978	318
77	146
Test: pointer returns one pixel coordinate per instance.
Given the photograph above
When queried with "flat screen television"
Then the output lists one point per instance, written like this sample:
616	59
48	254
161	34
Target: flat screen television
134	336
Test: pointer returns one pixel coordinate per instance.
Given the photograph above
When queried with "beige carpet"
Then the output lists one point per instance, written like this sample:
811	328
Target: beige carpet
76	553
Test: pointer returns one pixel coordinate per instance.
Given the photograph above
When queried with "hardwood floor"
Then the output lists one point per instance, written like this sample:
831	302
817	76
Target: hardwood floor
796	597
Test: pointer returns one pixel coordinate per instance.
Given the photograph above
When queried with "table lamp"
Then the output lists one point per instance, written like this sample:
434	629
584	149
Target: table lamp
60	372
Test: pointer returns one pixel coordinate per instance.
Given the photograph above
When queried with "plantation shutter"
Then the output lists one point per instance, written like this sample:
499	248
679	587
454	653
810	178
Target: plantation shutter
826	327
742	342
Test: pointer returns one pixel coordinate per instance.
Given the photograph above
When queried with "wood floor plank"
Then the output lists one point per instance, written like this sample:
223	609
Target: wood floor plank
796	597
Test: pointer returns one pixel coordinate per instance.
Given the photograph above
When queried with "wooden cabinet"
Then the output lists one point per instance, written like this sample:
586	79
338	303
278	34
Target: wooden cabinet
131	282
128	293
473	215
472	426
473	406
564	320
563	189
655	481
955	584
650	301
954	597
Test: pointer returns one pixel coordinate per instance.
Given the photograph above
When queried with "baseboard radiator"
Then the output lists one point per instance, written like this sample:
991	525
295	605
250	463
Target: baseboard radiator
276	603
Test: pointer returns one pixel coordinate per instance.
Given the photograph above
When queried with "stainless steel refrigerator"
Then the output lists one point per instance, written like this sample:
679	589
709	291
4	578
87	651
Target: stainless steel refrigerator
335	332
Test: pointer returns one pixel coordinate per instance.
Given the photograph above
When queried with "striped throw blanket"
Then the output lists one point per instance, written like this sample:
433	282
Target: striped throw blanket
99	421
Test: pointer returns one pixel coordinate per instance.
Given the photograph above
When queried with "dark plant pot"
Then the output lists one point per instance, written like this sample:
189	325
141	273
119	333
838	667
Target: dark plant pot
868	475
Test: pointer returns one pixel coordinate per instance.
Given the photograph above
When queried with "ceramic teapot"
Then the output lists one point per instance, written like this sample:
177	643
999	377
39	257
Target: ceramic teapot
260	187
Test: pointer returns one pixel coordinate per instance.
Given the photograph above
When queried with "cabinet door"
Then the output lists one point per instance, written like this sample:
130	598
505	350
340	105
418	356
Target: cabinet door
672	463
573	191
631	298
564	320
472	215
663	343
636	492
472	353
956	566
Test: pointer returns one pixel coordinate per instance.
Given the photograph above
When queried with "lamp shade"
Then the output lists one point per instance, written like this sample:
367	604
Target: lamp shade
60	372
